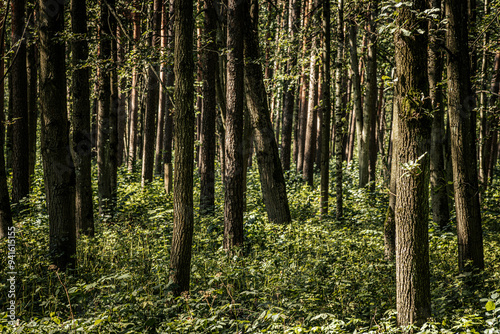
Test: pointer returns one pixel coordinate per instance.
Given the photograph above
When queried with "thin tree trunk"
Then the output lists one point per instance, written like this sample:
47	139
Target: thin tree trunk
162	96
20	140
122	98
32	78
148	152
413	298
180	256
463	130
266	148
209	111
58	165
82	146
168	131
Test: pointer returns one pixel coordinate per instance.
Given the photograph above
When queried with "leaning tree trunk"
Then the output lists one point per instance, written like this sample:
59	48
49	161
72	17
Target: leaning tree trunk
5	213
58	165
148	151
182	236
20	142
209	111
82	146
413	298
463	138
266	149
439	195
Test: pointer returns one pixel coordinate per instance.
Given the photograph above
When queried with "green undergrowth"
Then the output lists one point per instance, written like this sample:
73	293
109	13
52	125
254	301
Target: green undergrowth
311	276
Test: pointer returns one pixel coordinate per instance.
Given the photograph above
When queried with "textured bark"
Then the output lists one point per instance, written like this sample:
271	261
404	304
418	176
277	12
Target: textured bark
58	165
412	201
32	75
233	195
311	124
148	151
112	162
134	99
367	166
162	97
463	138
104	178
20	140
81	141
180	256
209	112
289	86
439	195
266	148
122	98
169	125
356	85
5	212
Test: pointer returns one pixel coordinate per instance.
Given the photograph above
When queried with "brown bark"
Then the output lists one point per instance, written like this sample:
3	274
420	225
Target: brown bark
413	299
463	133
168	130
180	256
265	145
81	141
20	140
153	86
58	165
162	96
32	79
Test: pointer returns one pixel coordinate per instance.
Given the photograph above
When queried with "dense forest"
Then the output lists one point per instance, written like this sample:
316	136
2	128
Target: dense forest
249	166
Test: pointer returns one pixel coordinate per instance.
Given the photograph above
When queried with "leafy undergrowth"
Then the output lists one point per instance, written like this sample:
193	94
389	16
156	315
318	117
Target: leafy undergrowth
311	276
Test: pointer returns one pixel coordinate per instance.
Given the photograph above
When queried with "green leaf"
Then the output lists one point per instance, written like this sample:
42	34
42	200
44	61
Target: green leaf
490	306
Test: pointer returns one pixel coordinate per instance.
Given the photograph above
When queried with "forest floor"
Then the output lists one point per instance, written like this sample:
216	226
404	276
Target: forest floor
311	276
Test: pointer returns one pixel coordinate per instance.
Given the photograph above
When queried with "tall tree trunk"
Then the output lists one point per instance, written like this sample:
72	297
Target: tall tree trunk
148	152
134	98
5	213
413	297
233	196
339	116
169	126
58	165
122	97
209	111
439	195
266	148
162	97
104	110
32	79
463	138
289	85
20	140
310	134
356	88
180	256
113	111
367	165
82	146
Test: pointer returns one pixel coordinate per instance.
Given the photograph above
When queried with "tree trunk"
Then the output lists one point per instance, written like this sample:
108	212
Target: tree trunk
82	146
266	148
180	256
162	96
122	97
463	138
58	165
5	213
413	297
169	126
148	151
20	140
209	111
113	111
233	196
439	195
367	165
134	98
32	79
289	86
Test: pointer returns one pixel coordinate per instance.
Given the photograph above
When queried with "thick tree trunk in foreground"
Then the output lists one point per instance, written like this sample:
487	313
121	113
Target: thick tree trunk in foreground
5	213
82	146
20	142
233	195
209	111
463	138
266	149
439	195
180	256
58	165
413	299
148	152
